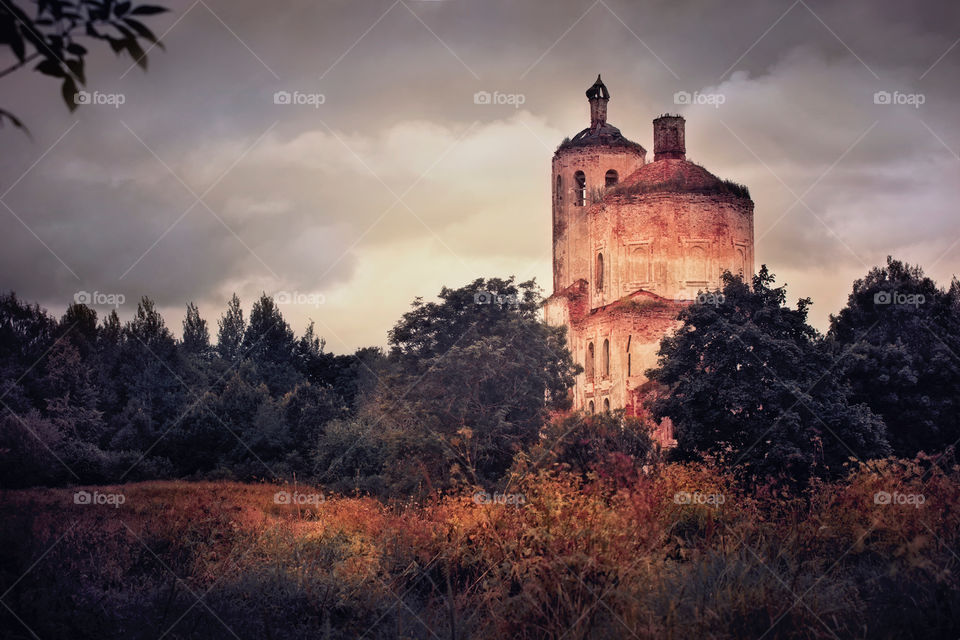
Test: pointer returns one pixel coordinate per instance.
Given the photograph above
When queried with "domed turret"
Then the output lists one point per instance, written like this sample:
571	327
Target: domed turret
583	168
598	97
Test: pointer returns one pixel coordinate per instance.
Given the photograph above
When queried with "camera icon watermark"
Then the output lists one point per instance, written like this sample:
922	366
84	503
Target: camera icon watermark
488	297
98	299
914	500
299	98
96	98
696	98
286	497
497	98
899	98
97	498
297	297
897	299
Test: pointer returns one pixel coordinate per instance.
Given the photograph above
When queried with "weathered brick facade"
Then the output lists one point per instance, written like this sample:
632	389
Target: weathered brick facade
633	242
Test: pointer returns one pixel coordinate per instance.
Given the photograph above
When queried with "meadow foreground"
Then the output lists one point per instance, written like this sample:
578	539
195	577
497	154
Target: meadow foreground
677	553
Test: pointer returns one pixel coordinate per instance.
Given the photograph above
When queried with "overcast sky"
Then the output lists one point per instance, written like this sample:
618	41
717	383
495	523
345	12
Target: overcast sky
200	185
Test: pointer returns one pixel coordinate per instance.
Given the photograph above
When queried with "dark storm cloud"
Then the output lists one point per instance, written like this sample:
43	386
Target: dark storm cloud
398	182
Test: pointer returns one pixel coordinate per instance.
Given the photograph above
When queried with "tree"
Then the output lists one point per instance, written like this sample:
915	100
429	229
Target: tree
232	328
352	377
749	383
898	340
472	379
52	32
26	332
70	393
151	392
609	444
269	342
81	323
196	337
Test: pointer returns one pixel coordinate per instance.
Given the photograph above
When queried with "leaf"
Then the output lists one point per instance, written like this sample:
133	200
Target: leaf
76	68
50	67
69	92
148	10
76	49
93	33
143	31
14	120
136	52
121	8
16	43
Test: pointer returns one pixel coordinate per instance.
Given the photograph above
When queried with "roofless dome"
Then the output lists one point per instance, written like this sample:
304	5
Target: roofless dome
677	175
600	132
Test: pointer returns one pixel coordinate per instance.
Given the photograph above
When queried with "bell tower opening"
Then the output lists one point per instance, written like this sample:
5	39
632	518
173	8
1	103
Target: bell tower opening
580	179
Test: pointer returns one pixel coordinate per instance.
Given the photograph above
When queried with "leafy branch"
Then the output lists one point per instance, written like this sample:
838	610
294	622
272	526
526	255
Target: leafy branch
51	36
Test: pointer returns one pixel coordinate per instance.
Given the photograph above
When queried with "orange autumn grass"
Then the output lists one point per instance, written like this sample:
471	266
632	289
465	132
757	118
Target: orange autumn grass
680	552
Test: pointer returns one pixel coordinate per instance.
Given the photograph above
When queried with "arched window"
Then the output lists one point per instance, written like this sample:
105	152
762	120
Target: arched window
599	274
580	189
606	405
591	406
611	178
606	357
589	363
559	189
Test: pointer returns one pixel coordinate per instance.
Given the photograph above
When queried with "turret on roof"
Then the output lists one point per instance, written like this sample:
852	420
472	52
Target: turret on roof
600	132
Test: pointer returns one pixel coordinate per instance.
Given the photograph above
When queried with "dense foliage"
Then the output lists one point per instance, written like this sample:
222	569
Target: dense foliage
467	385
898	344
750	384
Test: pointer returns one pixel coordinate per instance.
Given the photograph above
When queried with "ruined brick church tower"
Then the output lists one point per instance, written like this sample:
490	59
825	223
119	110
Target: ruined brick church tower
633	242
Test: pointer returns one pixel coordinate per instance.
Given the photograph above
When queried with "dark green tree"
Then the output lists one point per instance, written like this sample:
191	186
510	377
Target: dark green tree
151	391
898	340
609	444
750	384
270	344
26	333
196	337
473	378
80	321
232	327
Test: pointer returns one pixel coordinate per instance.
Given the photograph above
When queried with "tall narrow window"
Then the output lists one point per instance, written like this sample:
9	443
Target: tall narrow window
606	405
629	339
589	364
611	178
591	406
606	357
580	189
599	274
559	189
